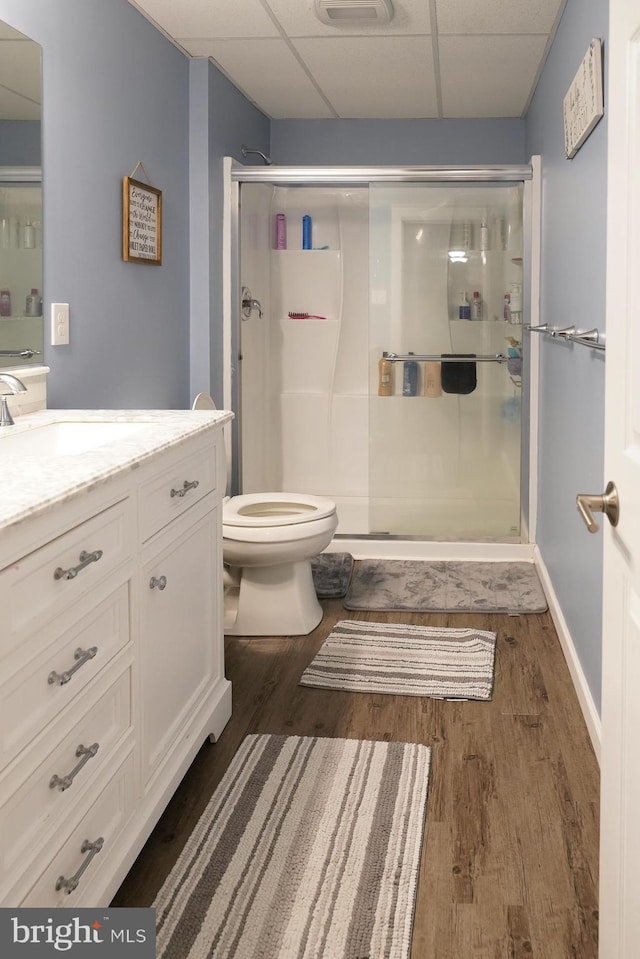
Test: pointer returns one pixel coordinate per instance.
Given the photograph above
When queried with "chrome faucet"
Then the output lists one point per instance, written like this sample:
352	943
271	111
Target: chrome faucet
15	386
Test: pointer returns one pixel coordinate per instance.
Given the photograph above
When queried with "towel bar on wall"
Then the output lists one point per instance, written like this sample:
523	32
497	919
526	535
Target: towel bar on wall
592	338
446	358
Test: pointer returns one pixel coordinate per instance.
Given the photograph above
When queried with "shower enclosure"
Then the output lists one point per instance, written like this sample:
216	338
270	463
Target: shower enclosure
427	444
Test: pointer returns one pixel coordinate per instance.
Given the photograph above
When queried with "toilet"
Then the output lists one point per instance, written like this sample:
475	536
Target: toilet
268	541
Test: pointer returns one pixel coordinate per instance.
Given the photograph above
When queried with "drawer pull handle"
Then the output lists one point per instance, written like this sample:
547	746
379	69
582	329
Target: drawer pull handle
85	560
186	486
63	782
82	656
93	848
159	581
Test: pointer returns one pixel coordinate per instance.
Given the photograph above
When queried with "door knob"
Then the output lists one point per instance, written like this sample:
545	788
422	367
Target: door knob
607	503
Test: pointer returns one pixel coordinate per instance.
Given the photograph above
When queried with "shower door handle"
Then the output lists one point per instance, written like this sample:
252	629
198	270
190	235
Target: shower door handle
607	503
249	303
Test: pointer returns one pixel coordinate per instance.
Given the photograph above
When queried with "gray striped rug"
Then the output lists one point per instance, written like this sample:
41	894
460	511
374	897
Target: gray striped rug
309	848
405	660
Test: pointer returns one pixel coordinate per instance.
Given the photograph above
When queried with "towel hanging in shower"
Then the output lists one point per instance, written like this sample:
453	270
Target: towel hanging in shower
459	377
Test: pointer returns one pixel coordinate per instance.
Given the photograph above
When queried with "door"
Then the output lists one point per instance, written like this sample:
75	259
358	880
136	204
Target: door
620	801
446	271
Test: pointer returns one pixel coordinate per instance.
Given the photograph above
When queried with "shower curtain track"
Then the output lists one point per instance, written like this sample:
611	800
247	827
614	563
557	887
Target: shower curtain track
312	175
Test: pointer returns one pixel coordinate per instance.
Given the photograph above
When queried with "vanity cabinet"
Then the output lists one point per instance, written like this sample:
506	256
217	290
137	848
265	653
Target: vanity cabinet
112	670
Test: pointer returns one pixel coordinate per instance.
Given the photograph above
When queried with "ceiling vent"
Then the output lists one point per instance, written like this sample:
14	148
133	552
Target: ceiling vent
367	13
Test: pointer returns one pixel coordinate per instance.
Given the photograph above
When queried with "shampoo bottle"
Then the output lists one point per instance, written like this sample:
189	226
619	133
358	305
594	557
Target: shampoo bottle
306	232
281	232
5	303
385	376
33	305
464	310
476	306
432	379
410	377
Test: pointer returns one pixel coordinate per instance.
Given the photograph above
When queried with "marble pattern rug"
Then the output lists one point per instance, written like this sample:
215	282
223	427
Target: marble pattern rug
444	586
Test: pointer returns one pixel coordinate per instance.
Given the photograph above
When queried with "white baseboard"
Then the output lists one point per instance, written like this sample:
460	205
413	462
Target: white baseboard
587	705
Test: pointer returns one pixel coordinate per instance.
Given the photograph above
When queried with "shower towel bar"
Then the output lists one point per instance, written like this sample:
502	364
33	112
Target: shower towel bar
447	358
23	354
593	338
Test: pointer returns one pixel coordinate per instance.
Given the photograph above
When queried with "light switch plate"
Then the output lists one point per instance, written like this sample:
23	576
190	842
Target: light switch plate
59	324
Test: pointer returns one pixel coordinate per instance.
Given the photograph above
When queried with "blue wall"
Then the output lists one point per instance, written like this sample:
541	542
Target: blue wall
399	142
222	120
571	411
116	92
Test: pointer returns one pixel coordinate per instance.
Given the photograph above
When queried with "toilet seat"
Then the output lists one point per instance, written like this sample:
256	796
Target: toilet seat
266	510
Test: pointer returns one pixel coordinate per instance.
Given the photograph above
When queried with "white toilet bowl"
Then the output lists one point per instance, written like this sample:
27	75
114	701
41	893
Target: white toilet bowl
268	540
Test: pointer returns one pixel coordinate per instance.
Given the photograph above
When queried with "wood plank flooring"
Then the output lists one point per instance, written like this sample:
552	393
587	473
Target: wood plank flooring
509	864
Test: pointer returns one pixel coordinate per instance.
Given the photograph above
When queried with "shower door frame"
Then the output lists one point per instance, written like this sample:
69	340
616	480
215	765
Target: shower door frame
529	175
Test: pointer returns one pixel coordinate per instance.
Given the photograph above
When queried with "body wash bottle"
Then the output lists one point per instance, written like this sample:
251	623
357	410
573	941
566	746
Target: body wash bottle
410	377
385	376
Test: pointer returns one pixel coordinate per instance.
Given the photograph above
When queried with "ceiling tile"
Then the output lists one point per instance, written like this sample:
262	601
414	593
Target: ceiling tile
268	73
298	19
497	16
374	77
488	76
210	18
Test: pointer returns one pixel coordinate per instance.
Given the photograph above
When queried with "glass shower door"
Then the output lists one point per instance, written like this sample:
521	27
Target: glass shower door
446	280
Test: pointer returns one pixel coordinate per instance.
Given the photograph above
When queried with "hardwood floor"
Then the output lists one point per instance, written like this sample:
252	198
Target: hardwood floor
510	855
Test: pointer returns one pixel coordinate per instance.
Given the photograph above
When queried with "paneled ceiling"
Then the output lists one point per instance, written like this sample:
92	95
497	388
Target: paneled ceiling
434	59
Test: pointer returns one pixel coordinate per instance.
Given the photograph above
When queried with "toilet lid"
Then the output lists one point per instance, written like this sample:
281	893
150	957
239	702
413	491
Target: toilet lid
203	402
275	509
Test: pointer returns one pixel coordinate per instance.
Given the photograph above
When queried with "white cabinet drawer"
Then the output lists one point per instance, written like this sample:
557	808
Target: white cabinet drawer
177	488
104	820
36	589
32	698
30	814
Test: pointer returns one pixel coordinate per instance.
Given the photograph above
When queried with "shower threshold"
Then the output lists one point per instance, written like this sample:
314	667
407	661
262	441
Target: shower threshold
375	546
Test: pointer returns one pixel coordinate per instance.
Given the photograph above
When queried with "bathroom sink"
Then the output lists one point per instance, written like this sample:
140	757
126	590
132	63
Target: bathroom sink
65	438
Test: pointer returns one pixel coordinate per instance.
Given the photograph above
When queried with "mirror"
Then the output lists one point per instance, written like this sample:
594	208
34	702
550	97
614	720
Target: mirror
21	323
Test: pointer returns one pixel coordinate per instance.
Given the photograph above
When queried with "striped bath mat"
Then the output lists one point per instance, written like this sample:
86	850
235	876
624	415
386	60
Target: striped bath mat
309	847
405	660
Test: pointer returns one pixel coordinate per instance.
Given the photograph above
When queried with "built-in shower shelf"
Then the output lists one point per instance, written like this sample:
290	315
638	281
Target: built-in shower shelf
307	281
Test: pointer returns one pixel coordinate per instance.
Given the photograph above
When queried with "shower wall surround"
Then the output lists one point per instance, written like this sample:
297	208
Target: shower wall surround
304	406
436	465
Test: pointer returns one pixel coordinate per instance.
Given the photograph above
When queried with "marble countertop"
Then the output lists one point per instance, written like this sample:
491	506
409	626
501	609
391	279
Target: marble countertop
31	484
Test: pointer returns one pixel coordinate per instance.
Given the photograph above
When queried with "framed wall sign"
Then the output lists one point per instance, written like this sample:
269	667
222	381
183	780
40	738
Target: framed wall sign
583	105
141	222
